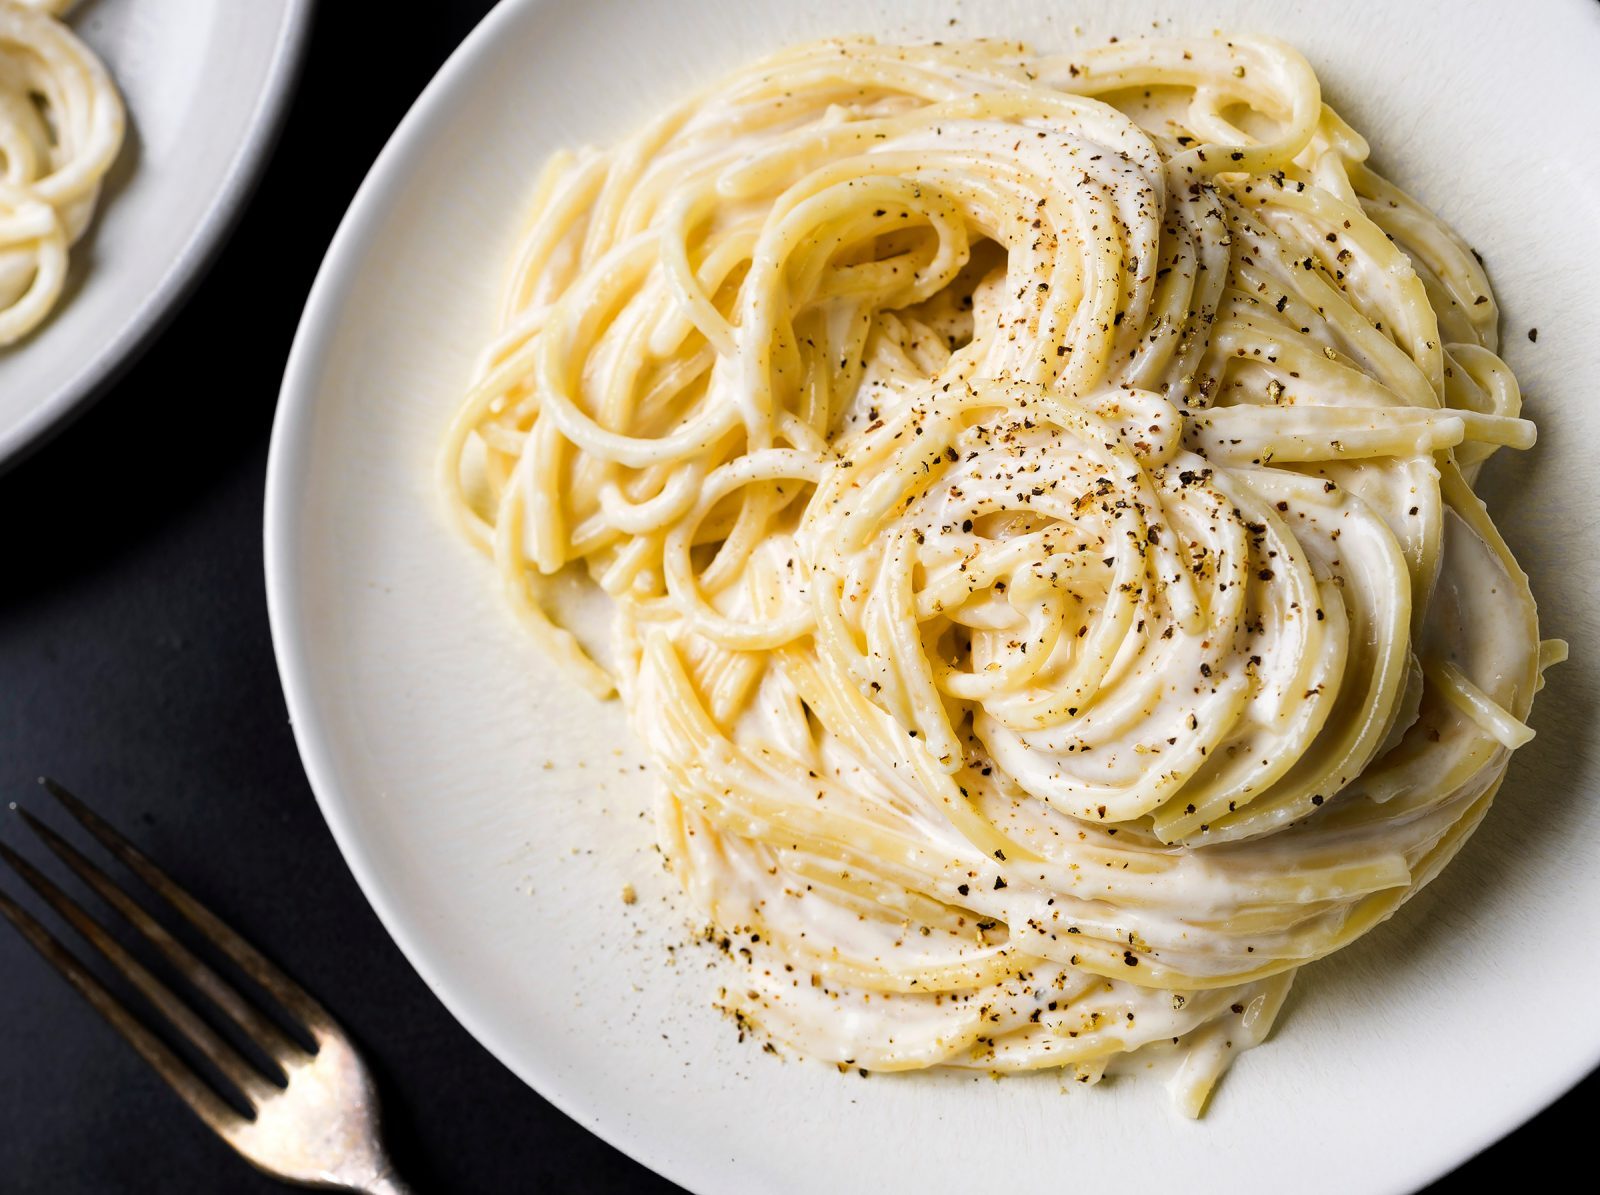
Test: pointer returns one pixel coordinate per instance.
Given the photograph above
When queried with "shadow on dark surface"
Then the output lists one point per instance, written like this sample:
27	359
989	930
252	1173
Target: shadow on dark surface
136	662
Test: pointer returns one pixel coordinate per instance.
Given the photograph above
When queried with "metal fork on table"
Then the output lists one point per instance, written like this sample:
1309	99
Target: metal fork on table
316	1122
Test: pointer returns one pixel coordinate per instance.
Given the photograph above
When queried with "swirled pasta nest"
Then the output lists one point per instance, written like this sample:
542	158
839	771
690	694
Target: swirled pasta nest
1035	492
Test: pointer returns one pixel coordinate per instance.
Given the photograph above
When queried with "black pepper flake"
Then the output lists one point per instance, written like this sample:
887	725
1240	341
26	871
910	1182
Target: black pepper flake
1533	334
1130	958
963	889
999	883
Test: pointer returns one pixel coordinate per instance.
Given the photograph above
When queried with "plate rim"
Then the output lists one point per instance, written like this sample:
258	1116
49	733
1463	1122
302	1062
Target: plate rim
184	273
288	458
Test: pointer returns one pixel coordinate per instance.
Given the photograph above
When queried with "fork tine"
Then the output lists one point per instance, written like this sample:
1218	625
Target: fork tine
257	1027
291	995
250	1083
206	1104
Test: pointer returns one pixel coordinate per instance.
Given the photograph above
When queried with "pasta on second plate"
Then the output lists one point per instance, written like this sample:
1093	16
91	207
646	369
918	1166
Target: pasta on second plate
61	125
1035	492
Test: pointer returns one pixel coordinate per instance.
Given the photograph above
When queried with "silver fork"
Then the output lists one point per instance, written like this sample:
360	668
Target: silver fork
316	1122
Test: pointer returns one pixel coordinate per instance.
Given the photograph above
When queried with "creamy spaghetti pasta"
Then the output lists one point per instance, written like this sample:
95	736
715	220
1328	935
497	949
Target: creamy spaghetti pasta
1035	492
61	125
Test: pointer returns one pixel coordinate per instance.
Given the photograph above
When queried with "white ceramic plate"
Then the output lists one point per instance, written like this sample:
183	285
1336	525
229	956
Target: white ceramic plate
492	812
204	82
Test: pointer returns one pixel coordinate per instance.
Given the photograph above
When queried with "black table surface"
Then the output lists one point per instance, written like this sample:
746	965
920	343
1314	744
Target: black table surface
136	666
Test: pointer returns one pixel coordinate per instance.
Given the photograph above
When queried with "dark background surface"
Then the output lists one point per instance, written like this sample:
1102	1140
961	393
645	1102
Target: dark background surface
135	666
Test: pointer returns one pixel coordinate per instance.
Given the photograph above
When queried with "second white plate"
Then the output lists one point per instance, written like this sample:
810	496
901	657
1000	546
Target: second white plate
205	82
